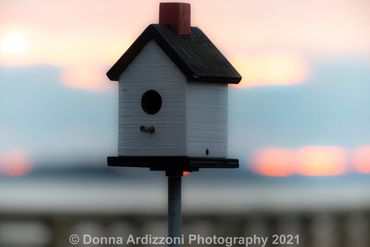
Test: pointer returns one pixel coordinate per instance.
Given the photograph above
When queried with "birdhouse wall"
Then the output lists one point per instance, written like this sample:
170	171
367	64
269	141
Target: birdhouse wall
206	119
152	69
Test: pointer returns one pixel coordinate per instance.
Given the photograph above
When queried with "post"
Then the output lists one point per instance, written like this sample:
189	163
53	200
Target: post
174	205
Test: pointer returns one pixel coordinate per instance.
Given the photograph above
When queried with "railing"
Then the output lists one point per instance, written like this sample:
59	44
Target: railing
315	229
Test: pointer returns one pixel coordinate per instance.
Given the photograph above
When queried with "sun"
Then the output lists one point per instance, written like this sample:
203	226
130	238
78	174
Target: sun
13	43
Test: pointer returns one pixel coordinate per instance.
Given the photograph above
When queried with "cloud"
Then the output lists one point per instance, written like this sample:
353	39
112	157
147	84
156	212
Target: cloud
50	121
328	110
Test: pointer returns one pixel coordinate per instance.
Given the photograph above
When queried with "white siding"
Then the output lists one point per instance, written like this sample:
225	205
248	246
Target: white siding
152	70
206	119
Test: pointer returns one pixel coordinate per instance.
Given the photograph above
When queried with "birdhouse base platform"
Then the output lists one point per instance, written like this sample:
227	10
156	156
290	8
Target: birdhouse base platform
172	163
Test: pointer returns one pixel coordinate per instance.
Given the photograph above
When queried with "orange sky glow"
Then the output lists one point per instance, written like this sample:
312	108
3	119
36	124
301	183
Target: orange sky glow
310	161
321	161
361	159
15	163
270	42
278	162
273	68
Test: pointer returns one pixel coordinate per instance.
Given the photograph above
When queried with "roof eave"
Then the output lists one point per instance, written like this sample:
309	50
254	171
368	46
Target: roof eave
218	79
124	61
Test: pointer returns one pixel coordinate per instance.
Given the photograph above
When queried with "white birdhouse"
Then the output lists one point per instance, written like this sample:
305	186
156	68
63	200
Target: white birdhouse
173	97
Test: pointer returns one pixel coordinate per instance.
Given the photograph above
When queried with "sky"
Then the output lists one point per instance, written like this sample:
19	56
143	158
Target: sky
304	93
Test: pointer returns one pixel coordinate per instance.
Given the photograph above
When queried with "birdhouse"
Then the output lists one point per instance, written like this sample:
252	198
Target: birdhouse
173	97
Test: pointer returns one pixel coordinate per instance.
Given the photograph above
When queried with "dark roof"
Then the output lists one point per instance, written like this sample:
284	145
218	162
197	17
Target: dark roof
195	55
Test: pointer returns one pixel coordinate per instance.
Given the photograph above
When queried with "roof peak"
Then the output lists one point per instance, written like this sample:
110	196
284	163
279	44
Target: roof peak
194	54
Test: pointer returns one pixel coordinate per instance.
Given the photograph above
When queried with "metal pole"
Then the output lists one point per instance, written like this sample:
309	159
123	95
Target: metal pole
174	206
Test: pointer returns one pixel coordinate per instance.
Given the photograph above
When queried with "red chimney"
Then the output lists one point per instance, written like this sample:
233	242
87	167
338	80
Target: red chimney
177	15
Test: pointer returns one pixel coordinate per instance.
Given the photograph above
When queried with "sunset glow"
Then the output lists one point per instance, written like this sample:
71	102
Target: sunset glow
264	50
14	163
361	159
307	161
89	77
275	68
273	162
321	161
